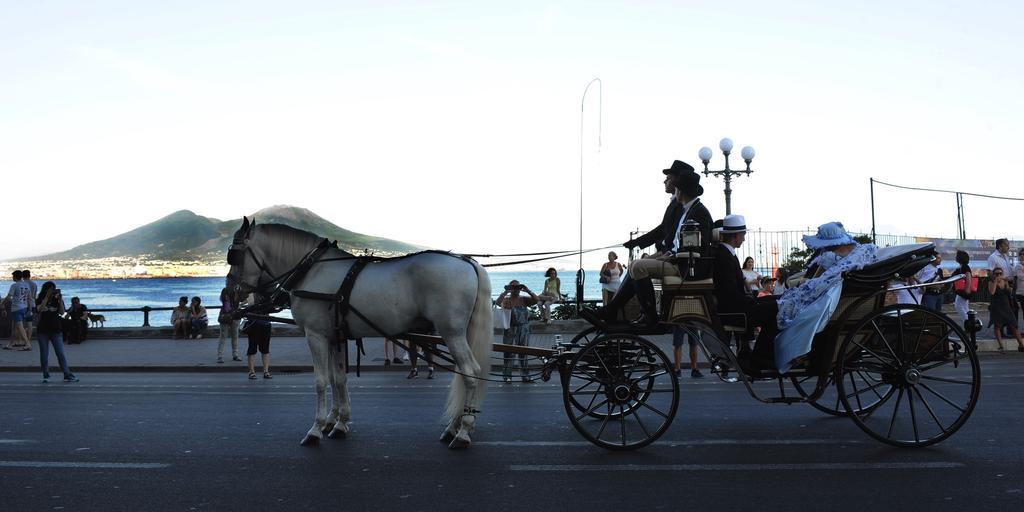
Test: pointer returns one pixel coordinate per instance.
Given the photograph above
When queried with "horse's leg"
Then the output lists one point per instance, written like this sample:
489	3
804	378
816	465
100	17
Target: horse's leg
463	423
340	408
318	348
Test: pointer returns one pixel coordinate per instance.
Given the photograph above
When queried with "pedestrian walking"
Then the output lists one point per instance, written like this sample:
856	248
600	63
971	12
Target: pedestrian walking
50	308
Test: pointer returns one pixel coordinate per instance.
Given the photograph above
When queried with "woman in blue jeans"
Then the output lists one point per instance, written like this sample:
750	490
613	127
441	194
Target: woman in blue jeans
50	308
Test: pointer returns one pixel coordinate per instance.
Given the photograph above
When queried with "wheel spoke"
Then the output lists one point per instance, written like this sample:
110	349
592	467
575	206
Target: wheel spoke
941	397
878	357
943	379
592	409
622	423
605	422
583	370
860	406
639	422
928	408
655	411
937	343
882	336
944	362
895	410
577	390
600	359
913	414
872	388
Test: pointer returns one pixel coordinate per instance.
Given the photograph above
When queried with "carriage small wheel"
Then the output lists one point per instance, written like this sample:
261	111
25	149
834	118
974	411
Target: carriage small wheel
927	363
629	381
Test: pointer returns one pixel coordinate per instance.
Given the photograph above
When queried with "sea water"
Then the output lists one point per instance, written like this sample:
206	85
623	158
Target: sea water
164	292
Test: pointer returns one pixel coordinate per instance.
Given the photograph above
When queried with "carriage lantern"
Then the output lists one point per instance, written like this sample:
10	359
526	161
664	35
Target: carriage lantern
689	241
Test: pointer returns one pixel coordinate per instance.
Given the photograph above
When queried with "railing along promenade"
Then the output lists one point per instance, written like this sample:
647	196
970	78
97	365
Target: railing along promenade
145	310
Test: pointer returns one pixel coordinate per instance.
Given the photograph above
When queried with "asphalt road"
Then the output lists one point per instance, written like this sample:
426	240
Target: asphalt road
202	441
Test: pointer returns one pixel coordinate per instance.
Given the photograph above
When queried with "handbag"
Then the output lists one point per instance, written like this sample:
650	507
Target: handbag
606	276
502	318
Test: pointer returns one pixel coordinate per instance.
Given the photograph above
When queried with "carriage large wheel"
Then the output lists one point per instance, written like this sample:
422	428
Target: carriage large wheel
926	358
630	381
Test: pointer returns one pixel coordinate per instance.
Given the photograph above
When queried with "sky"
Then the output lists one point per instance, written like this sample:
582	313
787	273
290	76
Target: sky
458	125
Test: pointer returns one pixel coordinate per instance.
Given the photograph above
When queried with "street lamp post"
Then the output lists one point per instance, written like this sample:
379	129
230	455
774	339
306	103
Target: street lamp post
726	146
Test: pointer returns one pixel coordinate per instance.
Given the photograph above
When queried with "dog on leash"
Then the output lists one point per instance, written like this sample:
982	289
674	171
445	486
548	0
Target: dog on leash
96	320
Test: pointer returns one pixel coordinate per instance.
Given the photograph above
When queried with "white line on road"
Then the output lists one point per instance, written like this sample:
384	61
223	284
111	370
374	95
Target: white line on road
16	441
663	443
81	465
840	466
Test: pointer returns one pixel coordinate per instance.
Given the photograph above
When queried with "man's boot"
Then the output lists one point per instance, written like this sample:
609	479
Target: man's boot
610	313
645	295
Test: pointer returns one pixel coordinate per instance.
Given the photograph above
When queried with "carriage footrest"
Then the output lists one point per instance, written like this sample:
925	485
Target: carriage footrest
785	400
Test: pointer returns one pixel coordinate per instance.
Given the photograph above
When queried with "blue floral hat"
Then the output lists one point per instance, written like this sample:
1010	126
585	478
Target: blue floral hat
829	235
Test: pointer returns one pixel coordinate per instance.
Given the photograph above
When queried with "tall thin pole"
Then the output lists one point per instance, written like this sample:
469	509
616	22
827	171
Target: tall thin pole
583	100
873	211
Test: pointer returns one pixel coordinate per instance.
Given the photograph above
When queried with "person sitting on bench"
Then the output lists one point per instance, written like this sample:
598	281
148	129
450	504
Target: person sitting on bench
638	282
732	296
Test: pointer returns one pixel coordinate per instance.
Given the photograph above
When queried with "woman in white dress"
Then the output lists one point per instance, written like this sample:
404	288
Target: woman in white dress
611	277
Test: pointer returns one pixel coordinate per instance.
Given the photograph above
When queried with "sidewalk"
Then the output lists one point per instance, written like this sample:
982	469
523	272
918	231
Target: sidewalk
288	352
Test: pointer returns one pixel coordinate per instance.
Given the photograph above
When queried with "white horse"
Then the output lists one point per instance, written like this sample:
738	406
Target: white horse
427	290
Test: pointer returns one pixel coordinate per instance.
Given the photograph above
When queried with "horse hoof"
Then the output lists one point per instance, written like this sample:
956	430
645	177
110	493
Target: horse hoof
310	440
458	444
446	437
337	433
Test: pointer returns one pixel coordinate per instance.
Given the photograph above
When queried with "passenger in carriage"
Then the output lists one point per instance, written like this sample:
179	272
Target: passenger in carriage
803	311
638	282
732	295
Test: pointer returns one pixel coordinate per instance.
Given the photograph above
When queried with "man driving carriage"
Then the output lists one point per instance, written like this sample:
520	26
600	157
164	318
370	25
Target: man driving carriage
686	206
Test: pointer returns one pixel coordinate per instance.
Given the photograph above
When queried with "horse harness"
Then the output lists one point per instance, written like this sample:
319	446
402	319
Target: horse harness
340	300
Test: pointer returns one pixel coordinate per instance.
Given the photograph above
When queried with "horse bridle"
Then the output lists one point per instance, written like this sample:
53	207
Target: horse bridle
240	247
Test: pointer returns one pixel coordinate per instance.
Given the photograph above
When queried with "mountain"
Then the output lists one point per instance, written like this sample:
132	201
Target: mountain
183	235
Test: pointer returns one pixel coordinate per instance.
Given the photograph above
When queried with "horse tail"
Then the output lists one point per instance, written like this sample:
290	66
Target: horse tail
480	336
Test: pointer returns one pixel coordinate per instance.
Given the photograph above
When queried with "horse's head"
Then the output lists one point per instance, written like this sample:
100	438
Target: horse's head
246	272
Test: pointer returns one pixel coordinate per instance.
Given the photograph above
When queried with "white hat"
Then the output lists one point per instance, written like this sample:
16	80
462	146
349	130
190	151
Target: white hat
734	224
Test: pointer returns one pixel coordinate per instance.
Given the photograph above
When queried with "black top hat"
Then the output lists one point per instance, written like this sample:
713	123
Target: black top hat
677	168
687	180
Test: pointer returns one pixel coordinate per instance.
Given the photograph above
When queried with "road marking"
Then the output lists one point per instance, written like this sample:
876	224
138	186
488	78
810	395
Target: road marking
81	465
840	466
17	441
700	442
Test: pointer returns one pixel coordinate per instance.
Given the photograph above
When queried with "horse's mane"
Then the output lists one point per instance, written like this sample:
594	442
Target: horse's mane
291	244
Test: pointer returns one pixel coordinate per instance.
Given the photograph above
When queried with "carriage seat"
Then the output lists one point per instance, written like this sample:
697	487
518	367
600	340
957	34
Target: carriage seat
677	282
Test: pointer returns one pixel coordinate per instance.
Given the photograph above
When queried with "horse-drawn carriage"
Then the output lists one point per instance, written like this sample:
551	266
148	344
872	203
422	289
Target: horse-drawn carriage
619	389
906	375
